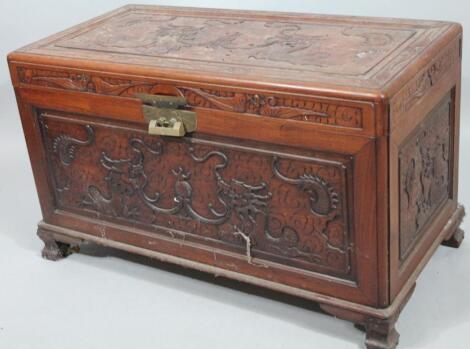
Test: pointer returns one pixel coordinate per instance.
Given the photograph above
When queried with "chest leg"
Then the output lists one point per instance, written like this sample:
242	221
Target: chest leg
56	248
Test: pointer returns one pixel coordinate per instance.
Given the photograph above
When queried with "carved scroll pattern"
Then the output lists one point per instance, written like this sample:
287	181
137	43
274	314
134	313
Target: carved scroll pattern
291	211
425	174
419	86
307	110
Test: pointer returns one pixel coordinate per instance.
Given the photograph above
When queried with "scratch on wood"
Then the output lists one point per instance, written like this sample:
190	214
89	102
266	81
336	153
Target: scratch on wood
171	234
232	266
248	245
103	231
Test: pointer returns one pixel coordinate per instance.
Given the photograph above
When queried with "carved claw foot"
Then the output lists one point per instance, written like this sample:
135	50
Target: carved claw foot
360	327
54	250
381	334
455	240
380	331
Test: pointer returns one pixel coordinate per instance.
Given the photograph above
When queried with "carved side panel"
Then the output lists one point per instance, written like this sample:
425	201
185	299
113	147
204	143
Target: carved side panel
263	205
425	174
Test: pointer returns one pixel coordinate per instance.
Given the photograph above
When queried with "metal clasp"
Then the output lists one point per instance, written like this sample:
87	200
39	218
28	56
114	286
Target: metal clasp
165	116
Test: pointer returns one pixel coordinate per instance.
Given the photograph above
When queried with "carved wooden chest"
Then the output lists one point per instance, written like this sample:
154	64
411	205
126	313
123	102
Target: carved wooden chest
313	155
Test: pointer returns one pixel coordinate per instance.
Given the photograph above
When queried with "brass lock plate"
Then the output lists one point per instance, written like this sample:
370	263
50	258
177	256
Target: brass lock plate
165	116
166	128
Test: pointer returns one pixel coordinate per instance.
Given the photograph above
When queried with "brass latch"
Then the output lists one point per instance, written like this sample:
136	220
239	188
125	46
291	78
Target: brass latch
165	116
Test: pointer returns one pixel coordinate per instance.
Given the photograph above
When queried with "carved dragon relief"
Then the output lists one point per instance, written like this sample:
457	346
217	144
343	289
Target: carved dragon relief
314	111
242	211
286	39
323	198
115	201
65	145
295	46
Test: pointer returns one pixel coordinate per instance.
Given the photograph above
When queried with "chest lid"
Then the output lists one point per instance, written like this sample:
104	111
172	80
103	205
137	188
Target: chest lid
349	55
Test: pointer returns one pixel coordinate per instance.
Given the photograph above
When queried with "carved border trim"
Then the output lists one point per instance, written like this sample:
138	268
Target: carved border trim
293	108
417	88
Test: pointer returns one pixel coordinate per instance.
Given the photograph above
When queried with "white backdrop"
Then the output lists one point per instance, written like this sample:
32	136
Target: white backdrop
123	301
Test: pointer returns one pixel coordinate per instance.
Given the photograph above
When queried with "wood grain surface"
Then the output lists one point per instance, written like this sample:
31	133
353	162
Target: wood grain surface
324	163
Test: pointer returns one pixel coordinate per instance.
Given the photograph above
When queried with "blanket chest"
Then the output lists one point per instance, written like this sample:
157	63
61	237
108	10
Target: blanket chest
313	155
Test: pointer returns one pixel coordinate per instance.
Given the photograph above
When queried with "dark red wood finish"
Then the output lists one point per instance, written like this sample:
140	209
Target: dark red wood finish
324	163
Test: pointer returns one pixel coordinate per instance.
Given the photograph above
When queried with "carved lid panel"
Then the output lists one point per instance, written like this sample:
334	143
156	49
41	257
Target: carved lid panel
243	45
310	47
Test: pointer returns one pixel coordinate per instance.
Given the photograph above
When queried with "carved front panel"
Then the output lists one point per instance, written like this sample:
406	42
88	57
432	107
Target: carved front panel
425	174
261	203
